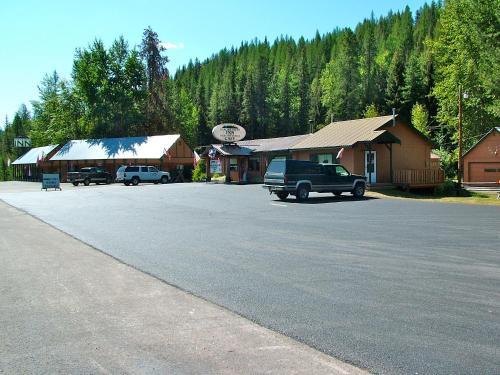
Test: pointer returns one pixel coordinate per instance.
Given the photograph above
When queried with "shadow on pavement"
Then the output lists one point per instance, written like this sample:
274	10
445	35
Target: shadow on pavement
326	199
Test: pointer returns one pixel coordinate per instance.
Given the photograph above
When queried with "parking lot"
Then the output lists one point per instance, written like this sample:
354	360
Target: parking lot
394	286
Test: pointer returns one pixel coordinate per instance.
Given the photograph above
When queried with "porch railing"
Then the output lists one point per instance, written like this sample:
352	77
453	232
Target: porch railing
418	177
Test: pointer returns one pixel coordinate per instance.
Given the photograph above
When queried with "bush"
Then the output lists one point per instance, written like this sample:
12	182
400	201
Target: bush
200	173
449	162
447	188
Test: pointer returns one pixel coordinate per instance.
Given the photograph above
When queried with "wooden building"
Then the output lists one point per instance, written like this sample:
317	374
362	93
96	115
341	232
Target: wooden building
384	149
482	162
166	152
35	162
247	161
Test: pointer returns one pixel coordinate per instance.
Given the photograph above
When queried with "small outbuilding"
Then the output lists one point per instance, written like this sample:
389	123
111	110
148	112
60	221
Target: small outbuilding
166	152
35	162
481	162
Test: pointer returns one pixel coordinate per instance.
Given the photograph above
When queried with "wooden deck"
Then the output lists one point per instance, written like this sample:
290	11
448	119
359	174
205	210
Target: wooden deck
418	178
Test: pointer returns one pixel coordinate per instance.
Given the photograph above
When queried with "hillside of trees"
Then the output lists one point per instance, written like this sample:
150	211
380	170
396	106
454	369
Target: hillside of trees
413	62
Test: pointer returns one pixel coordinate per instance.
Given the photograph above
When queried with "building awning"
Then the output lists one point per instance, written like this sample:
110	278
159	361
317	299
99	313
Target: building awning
153	147
35	154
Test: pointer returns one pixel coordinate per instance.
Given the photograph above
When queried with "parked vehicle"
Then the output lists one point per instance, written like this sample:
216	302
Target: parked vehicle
141	173
87	175
299	178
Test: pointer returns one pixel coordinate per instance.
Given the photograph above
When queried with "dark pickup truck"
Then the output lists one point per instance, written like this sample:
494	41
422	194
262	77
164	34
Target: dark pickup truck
299	177
90	174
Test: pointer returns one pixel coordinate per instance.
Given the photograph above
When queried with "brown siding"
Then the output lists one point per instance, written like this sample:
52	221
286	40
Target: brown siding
414	152
485	155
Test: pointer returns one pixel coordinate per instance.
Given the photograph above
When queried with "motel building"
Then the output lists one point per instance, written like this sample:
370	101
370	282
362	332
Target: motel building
165	152
384	149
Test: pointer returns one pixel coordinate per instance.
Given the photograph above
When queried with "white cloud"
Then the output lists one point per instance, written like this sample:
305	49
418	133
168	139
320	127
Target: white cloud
170	45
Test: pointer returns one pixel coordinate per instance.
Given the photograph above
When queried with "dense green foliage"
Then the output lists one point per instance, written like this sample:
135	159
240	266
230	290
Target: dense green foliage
411	62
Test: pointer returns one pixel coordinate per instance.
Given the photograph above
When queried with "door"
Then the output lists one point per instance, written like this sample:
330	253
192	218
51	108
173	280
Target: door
371	166
484	172
154	174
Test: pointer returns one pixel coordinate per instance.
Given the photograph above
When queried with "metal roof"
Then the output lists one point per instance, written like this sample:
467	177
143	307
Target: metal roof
347	133
232	150
153	147
273	144
35	154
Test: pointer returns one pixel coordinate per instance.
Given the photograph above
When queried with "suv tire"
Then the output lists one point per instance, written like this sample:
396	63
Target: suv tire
359	190
302	193
127	183
164	180
282	195
135	180
75	183
86	182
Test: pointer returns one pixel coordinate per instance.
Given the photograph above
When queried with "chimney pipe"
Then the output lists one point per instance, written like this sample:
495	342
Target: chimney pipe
393	117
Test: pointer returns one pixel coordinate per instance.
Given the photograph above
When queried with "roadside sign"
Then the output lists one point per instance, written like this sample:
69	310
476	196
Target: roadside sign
51	181
22	142
228	133
215	166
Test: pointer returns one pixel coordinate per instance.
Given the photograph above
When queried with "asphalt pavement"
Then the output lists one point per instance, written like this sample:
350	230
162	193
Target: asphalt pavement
66	308
394	286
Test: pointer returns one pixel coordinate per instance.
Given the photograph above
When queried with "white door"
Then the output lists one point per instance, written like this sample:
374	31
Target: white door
371	165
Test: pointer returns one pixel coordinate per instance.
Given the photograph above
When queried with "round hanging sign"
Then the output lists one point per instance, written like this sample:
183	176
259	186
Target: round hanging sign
229	132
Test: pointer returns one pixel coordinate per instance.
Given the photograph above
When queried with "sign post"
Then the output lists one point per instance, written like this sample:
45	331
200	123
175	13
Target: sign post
51	181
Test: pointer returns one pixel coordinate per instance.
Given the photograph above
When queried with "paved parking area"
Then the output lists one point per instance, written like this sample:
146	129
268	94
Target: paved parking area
395	286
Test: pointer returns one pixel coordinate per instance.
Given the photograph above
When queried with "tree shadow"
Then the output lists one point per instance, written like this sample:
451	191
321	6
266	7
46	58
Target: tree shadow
111	146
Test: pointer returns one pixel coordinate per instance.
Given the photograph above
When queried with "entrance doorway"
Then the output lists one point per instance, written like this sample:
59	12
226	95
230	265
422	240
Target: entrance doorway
371	166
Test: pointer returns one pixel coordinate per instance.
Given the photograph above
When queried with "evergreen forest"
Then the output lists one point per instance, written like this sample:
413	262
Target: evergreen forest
413	61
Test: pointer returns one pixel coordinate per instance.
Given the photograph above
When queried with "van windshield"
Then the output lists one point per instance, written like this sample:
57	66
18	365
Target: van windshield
276	166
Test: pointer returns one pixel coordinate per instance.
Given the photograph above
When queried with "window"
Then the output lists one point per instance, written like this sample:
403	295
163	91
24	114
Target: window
153	169
492	170
144	169
324	158
341	171
233	164
254	164
132	169
277	166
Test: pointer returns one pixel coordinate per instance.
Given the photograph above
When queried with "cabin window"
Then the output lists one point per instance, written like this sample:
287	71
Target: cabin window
233	164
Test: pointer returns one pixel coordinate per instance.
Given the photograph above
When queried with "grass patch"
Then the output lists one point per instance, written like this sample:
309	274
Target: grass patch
468	197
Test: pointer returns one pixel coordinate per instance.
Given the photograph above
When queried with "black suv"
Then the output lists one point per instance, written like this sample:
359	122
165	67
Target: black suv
299	177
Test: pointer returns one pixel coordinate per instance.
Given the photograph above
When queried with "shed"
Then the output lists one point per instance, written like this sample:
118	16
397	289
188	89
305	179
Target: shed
482	161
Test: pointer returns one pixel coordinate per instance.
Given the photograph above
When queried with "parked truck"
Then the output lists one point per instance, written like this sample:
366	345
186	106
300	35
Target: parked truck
90	174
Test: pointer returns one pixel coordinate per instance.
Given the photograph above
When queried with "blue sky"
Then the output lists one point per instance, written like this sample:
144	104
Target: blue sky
38	37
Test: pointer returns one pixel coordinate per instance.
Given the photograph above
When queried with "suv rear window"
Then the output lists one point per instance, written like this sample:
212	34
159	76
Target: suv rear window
277	166
132	169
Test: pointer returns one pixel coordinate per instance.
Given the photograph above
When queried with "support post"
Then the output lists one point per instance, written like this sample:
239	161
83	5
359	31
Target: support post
370	159
459	173
390	162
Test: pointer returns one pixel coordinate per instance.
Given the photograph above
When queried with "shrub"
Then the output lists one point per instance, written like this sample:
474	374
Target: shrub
446	188
200	173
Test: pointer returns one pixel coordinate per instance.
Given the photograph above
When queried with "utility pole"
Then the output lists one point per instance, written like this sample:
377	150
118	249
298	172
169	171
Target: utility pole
459	174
